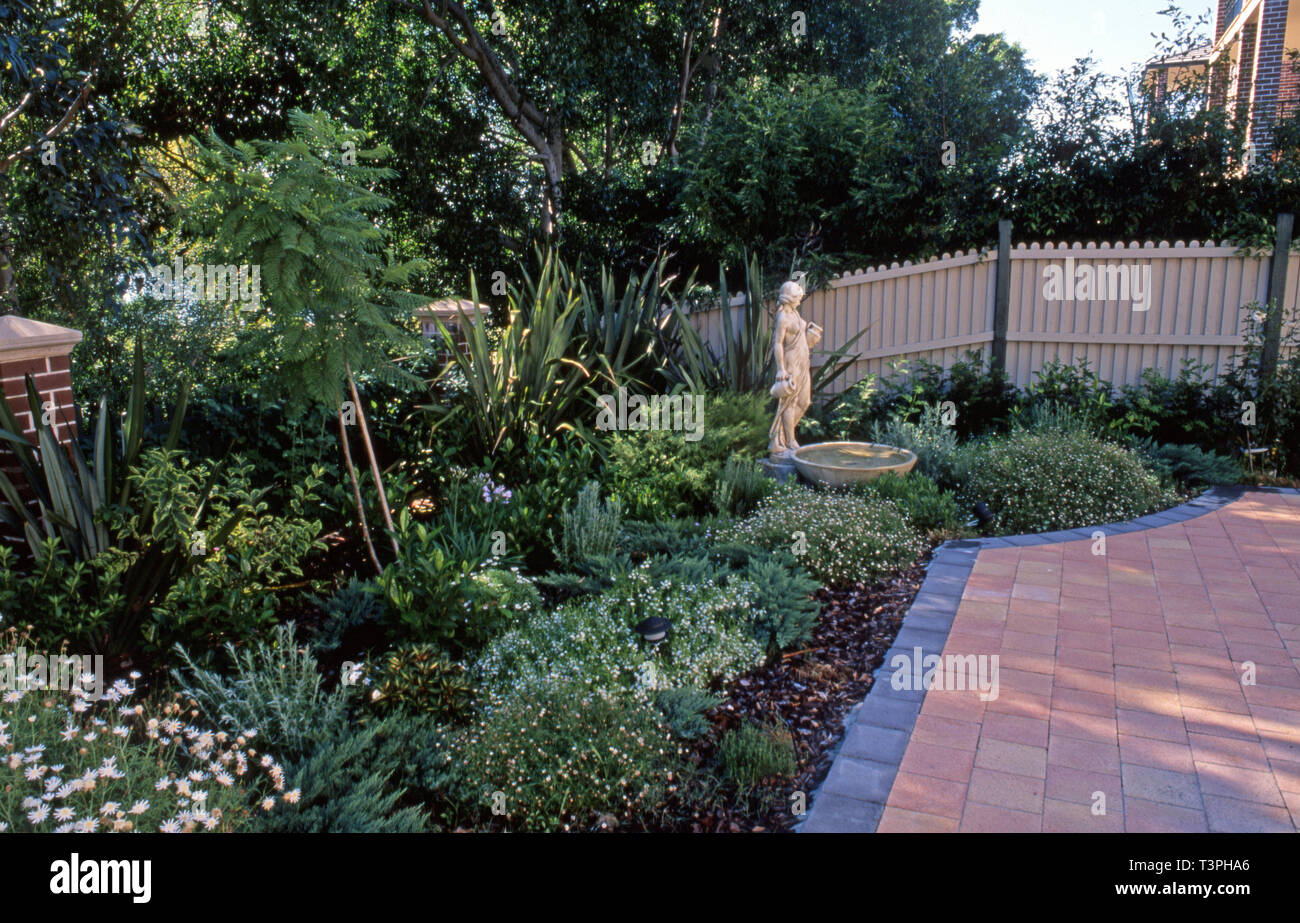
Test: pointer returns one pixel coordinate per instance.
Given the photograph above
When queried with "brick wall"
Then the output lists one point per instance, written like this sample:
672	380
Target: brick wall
1268	72
29	347
1245	70
53	378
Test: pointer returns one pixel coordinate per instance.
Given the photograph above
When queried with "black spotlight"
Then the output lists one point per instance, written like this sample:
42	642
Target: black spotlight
654	629
983	516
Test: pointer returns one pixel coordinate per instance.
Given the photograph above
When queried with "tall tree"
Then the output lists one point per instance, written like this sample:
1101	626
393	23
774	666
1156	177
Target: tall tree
304	211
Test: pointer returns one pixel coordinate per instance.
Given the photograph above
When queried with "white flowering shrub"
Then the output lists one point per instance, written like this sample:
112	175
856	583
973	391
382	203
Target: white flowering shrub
1051	480
565	756
592	641
71	765
841	538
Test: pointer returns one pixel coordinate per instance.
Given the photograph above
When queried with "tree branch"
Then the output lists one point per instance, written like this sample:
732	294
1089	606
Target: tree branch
17	110
521	113
675	123
78	101
543	133
688	70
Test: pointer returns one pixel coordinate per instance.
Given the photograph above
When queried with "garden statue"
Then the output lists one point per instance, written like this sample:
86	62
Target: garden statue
792	340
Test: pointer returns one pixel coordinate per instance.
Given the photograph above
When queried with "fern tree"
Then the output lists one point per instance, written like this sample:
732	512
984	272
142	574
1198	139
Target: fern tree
332	294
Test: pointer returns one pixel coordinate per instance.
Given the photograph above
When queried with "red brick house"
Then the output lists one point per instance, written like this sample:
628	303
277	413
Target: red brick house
1250	71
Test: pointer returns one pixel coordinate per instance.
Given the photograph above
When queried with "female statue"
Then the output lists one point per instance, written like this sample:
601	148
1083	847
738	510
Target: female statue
792	340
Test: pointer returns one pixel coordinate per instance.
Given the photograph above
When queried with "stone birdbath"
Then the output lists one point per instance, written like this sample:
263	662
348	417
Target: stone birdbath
842	464
831	464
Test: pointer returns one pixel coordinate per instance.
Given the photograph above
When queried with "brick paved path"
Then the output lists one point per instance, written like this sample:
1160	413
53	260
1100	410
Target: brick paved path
1121	677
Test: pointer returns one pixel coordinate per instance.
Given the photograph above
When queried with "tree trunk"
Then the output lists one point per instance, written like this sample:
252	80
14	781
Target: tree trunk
8	291
356	491
553	163
609	143
541	130
683	85
374	462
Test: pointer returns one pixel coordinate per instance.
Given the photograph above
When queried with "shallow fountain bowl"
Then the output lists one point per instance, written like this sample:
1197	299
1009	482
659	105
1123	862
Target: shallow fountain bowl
840	464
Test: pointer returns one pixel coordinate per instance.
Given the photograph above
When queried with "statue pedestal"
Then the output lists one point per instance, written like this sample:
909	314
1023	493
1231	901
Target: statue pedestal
781	468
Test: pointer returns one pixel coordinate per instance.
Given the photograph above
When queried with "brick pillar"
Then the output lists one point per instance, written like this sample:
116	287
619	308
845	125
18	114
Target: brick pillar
1218	82
1268	73
1246	58
43	351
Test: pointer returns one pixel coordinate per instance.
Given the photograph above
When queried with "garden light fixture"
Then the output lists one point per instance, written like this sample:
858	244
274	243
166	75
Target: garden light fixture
983	516
654	629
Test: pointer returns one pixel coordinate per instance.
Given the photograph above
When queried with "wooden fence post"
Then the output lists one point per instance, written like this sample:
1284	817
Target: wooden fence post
1002	296
1276	295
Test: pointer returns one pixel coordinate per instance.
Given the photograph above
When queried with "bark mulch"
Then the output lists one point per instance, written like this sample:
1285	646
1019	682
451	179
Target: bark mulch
810	691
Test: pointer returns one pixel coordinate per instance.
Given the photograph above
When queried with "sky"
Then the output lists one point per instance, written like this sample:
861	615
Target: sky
1056	32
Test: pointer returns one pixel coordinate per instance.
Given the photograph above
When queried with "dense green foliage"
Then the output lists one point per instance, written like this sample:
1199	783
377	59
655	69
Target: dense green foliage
930	508
741	485
420	679
274	688
592	641
666	473
684	710
563	755
591	527
1188	464
303	210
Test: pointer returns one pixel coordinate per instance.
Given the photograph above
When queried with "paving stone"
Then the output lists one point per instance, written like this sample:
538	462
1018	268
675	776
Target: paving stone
944	585
939	624
953	570
1006	790
1015	758
1067	817
1239	784
1163	785
881	745
984	818
899	820
833	813
1142	816
884	687
1228	815
910	637
860	779
891	713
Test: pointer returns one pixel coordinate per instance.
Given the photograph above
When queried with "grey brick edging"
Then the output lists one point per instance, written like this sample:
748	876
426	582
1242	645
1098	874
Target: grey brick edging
852	797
